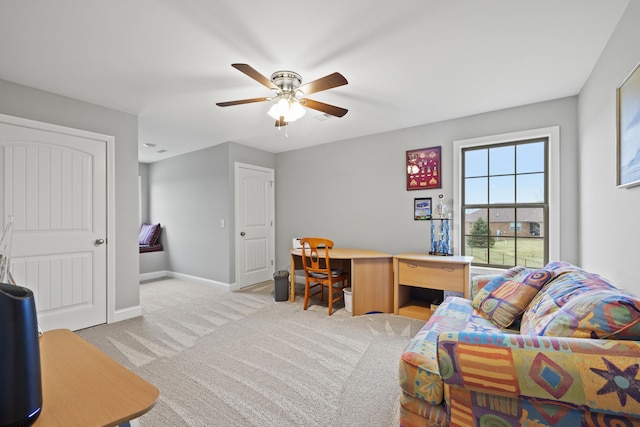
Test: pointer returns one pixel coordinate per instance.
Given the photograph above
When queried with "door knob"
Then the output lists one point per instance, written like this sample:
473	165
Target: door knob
242	233
99	242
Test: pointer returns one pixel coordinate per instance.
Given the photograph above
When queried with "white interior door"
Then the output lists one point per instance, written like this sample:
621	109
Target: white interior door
255	232
54	186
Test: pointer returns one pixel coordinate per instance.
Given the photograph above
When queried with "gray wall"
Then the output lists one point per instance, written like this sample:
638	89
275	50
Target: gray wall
143	173
189	195
22	101
354	191
609	216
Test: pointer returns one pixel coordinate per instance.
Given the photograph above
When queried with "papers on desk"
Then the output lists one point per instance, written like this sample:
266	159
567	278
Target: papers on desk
296	243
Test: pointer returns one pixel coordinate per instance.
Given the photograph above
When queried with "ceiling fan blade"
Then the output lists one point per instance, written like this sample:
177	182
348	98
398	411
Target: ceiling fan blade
325	108
324	83
241	101
255	75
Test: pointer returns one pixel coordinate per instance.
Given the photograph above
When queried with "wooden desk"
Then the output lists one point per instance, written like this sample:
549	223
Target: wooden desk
370	277
81	386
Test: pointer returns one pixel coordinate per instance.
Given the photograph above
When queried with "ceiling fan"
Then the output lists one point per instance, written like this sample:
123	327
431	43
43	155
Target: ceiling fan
289	94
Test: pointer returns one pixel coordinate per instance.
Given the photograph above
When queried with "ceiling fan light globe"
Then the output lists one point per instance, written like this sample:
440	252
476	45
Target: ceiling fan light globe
279	109
290	110
296	111
273	112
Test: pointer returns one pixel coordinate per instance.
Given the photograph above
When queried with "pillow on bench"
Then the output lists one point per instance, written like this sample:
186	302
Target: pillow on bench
149	234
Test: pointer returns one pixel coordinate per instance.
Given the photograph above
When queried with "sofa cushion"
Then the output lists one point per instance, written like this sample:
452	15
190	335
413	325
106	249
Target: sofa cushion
507	295
581	304
419	372
597	313
478	282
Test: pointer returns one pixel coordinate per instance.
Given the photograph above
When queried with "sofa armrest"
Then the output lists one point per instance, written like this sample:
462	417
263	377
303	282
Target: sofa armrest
599	375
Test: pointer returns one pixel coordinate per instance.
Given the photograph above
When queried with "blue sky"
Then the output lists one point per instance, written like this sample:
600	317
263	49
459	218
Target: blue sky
512	172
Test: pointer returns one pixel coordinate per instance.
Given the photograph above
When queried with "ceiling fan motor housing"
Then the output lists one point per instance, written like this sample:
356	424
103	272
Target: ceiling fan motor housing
287	81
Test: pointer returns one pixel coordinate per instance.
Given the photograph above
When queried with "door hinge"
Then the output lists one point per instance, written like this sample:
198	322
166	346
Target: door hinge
271	262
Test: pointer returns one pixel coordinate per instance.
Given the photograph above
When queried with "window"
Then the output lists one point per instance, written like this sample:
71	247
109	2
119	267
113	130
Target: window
503	186
505	208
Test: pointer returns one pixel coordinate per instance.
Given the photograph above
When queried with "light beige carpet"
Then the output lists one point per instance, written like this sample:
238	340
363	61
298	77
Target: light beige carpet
241	359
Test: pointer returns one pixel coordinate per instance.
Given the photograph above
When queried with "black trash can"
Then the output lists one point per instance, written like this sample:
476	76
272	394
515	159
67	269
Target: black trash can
281	280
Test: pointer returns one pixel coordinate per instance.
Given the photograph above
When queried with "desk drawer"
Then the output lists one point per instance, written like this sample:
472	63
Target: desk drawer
433	275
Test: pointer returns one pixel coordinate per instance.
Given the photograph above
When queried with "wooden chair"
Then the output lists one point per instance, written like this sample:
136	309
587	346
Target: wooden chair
318	272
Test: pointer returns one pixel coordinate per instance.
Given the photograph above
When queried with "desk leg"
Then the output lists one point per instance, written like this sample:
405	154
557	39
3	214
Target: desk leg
292	284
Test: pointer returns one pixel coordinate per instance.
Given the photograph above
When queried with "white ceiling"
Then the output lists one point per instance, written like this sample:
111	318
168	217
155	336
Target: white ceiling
408	62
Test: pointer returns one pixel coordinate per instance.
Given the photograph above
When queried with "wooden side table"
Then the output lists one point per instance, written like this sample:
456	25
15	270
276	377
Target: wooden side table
416	270
82	386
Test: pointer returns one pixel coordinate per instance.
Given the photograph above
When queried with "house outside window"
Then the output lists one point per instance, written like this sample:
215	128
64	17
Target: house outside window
506	198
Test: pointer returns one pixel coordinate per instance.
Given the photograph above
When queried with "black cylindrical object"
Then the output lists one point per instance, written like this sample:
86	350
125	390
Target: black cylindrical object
20	376
281	279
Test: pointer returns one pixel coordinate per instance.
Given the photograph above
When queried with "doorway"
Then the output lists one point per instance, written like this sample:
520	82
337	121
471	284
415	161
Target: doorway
254	224
54	184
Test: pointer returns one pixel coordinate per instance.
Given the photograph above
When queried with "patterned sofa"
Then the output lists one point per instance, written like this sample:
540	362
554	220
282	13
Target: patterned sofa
557	346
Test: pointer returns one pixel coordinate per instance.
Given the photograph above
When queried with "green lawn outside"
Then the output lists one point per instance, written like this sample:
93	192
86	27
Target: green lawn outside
530	252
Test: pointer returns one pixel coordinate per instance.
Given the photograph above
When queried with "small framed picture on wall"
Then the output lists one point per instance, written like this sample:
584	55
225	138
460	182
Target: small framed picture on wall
423	169
422	208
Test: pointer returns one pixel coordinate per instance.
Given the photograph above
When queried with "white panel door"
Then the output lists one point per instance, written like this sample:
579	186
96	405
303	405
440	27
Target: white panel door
255	245
54	186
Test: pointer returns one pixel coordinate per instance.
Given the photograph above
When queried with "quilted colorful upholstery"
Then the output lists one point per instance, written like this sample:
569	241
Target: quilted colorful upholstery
580	374
551	373
583	305
506	297
478	282
418	370
415	412
469	408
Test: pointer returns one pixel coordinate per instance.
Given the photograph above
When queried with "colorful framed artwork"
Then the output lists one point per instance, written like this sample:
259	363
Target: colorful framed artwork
423	169
628	130
422	208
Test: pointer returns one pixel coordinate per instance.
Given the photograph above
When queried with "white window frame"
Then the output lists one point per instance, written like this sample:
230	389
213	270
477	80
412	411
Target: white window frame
553	171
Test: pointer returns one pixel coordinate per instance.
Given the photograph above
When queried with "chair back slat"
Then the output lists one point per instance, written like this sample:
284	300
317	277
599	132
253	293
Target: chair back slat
315	254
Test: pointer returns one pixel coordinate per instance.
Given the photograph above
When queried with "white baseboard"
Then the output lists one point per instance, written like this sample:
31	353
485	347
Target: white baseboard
153	275
127	313
165	273
200	280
